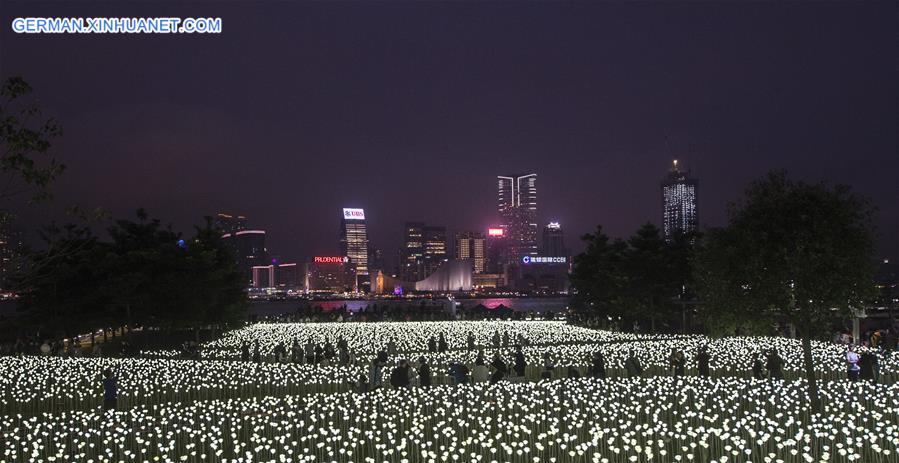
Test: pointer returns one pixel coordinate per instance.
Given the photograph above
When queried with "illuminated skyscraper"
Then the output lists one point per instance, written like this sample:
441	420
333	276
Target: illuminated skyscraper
553	241
472	245
678	203
434	255
354	243
228	223
517	196
497	250
249	251
412	253
10	248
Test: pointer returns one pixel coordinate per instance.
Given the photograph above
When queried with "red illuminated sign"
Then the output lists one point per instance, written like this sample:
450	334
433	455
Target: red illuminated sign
495	232
329	259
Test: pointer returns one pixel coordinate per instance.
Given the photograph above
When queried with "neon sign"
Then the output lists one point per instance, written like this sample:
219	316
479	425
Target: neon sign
543	260
353	214
495	232
330	259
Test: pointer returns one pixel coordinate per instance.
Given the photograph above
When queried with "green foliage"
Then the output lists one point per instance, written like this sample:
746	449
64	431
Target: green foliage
792	251
58	285
25	143
145	275
635	280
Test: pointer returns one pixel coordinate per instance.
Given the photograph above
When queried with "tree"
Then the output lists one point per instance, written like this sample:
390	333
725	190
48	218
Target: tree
649	283
794	252
158	278
24	144
597	275
58	286
634	280
145	275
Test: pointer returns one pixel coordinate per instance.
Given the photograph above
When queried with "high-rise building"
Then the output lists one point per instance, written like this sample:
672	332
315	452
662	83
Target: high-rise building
473	246
10	248
496	250
679	213
287	276
263	276
517	196
375	259
553	240
424	250
434	254
354	244
228	223
249	251
329	274
412	253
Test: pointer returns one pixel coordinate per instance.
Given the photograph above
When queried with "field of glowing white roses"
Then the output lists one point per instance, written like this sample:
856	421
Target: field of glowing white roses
228	410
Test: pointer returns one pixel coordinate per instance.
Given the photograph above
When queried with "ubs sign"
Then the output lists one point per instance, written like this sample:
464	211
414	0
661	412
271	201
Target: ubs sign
353	214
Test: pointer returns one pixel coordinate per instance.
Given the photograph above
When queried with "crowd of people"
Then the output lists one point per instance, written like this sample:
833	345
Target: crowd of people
50	347
402	312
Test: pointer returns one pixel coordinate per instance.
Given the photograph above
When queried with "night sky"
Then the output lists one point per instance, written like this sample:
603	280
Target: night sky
411	109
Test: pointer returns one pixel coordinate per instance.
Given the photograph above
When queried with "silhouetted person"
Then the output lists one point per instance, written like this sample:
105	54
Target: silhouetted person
424	372
866	364
758	369
110	391
852	363
470	339
774	365
548	367
256	357
244	352
296	352
598	365
391	347
343	354
399	377
500	370
703	358
632	365
310	352
377	365
480	374
361	384
432	344
441	343
520	364
319	353
677	362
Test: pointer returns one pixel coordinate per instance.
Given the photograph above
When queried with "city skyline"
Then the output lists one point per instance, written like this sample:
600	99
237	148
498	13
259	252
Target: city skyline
452	96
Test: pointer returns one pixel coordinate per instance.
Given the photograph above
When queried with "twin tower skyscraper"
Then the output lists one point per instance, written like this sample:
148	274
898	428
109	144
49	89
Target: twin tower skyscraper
517	205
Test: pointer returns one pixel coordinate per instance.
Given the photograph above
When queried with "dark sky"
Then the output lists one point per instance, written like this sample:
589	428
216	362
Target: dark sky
410	109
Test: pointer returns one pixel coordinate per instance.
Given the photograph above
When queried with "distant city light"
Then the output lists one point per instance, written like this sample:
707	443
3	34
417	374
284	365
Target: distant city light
554	225
495	232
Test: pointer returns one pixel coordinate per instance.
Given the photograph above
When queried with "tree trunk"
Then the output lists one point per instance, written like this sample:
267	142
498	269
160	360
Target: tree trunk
814	400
